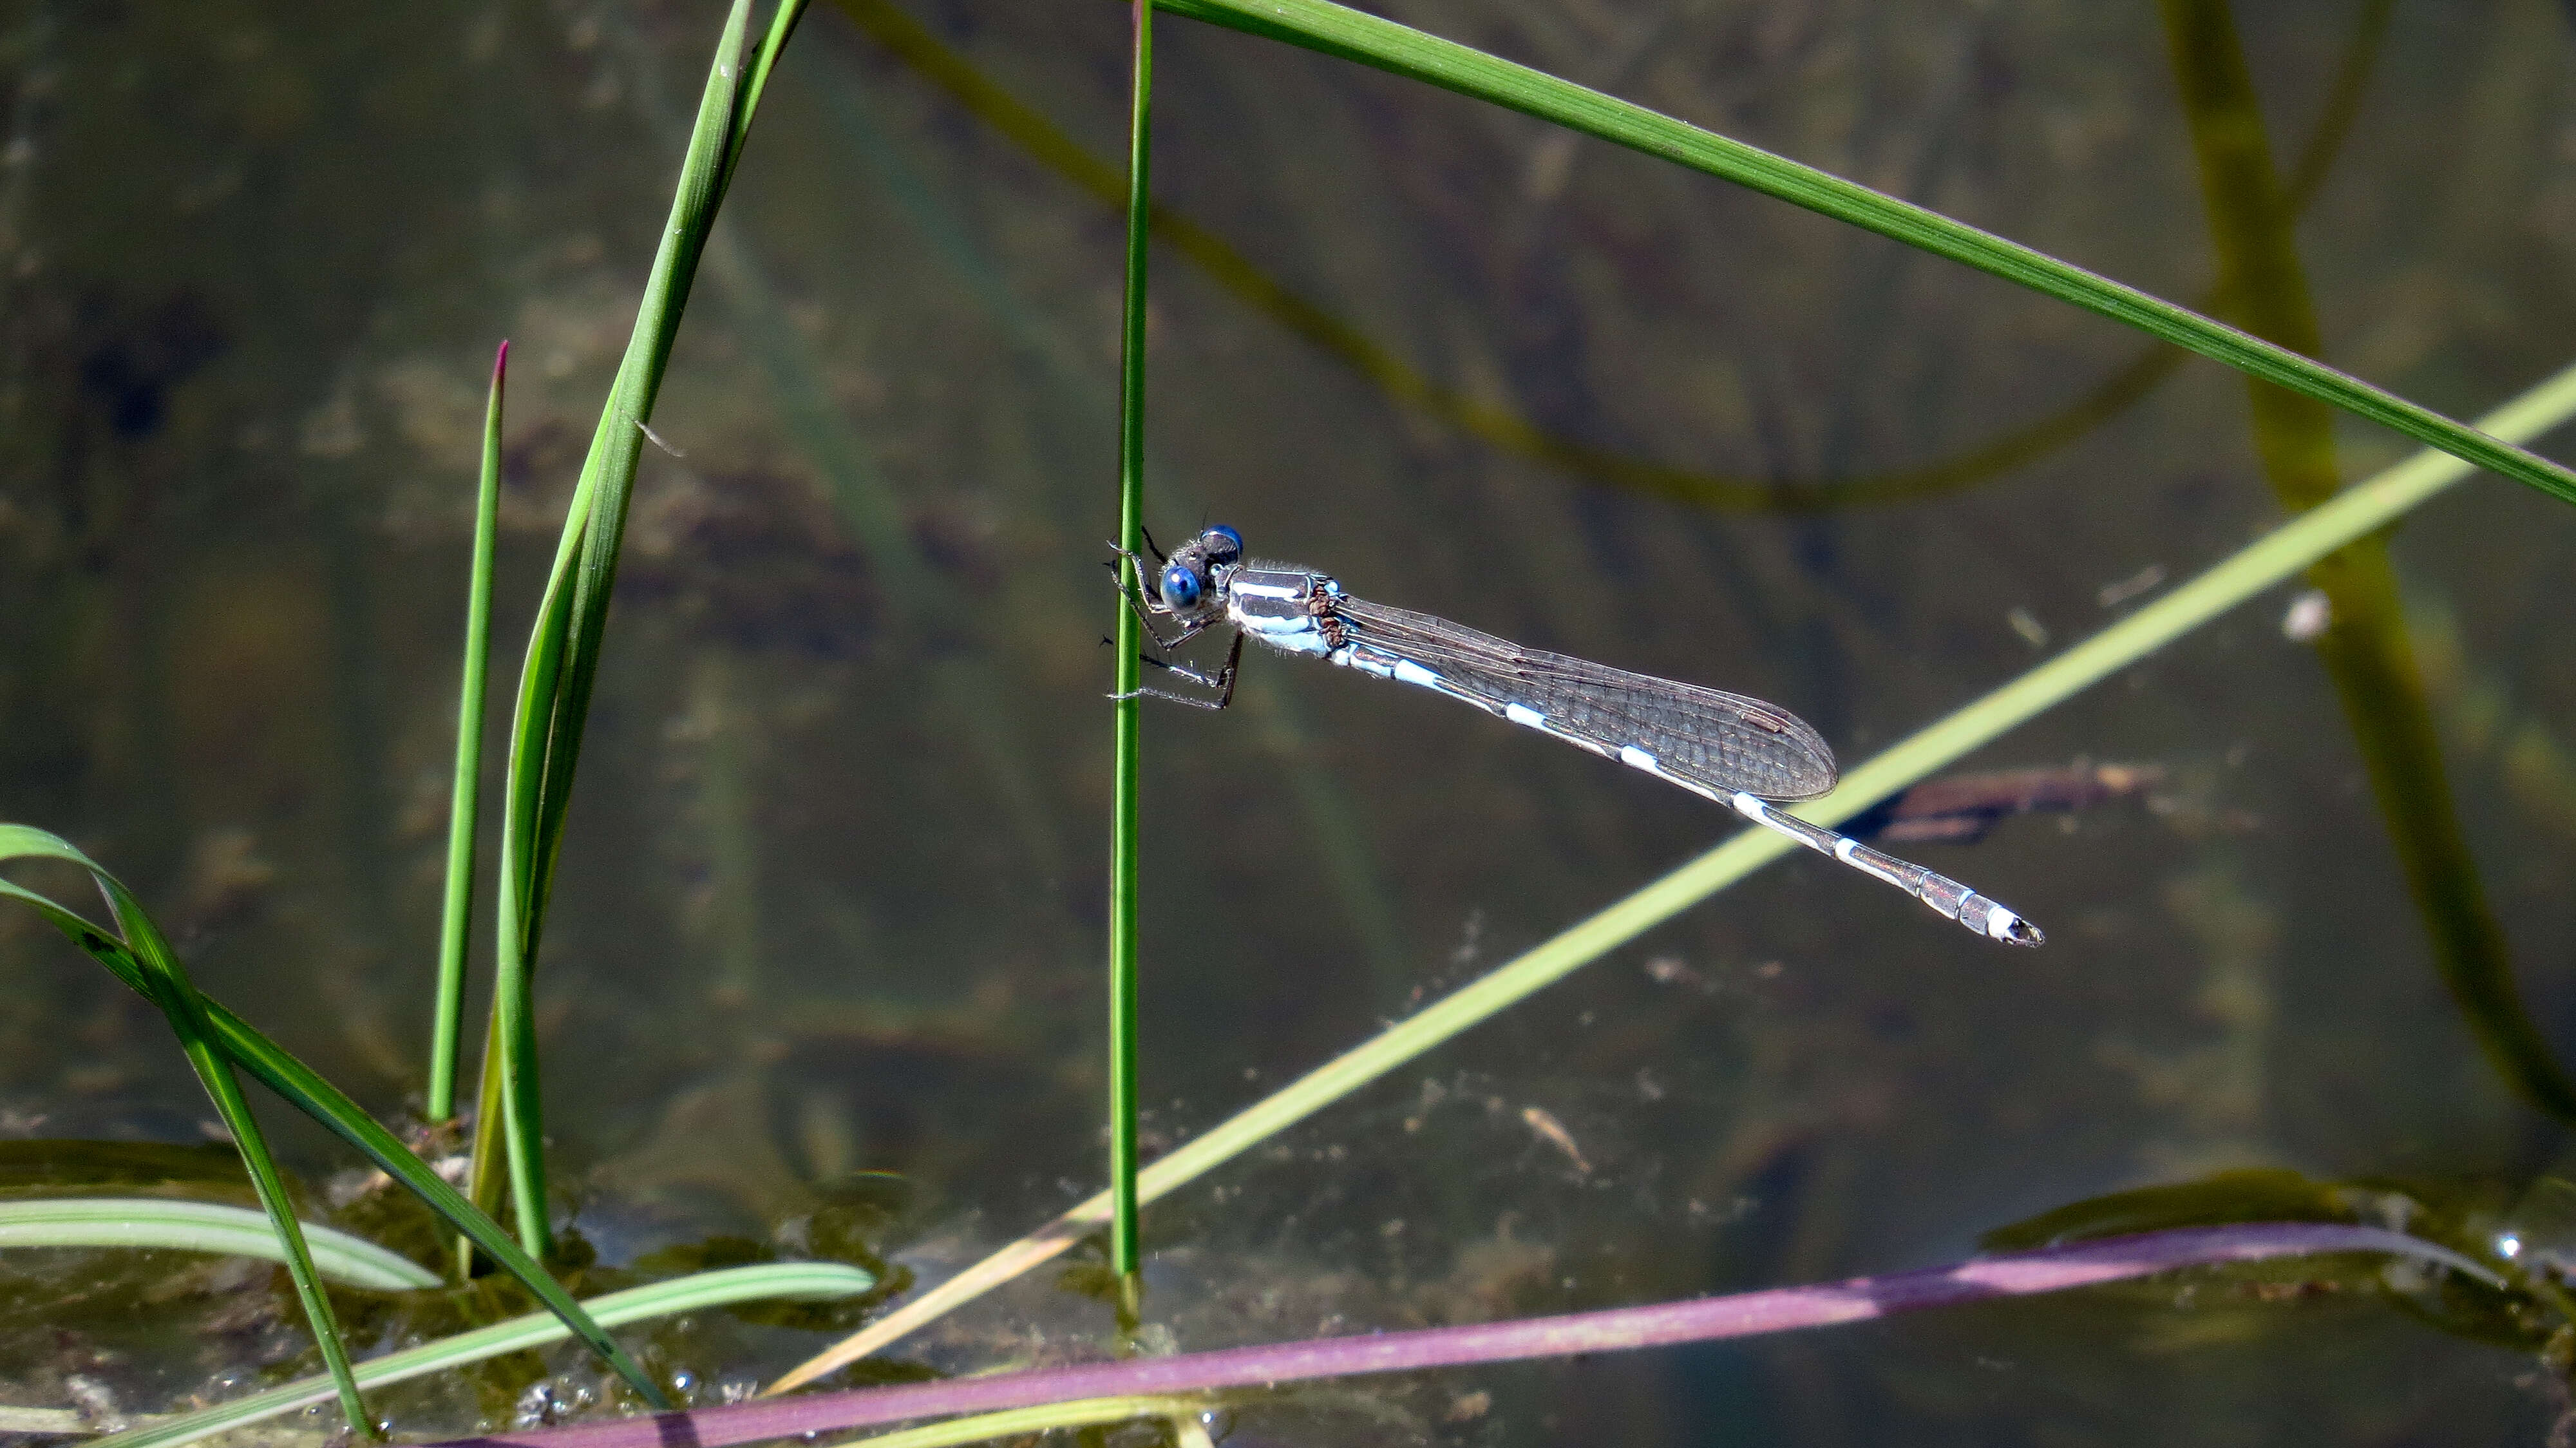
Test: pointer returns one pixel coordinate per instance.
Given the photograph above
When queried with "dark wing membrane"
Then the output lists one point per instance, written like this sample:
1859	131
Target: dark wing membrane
1725	741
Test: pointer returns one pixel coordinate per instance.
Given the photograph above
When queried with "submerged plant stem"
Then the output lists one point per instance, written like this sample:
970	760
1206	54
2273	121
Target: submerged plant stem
2366	649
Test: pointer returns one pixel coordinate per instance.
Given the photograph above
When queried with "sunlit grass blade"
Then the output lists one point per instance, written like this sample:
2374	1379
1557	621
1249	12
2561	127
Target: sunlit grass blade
1353	35
167	986
2366	648
179	1226
305	1089
2278	556
803	1281
562	661
457	910
1131	536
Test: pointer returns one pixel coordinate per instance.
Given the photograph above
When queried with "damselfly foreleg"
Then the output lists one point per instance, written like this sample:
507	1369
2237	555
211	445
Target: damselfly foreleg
1223	682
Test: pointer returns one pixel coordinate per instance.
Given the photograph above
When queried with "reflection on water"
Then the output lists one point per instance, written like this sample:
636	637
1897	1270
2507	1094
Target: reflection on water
831	905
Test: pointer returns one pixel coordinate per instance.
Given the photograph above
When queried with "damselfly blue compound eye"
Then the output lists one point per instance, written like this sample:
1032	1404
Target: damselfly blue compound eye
1181	587
1233	540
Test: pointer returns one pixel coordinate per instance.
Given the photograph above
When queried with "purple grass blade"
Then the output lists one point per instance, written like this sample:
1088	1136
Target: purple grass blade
1707	1319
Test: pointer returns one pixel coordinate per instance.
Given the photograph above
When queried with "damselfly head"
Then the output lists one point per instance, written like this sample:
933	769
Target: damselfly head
1191	585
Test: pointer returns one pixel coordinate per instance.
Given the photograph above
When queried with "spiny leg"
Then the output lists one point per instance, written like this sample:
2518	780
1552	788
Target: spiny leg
1223	683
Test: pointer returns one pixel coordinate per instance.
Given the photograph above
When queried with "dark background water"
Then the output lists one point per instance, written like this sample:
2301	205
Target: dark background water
832	896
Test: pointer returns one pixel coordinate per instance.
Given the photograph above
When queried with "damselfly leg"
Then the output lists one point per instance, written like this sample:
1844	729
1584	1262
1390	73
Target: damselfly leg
1223	680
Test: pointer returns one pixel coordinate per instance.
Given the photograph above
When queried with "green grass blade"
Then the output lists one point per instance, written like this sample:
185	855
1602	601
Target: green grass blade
305	1089
177	1226
2366	650
782	24
1500	427
457	911
563	654
1131	536
1352	35
168	987
804	1281
2278	556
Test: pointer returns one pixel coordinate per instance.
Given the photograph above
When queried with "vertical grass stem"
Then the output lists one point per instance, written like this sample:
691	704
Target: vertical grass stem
457	914
1131	536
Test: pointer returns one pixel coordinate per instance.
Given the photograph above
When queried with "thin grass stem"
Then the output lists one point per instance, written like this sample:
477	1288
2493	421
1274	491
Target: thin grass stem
457	911
1123	1253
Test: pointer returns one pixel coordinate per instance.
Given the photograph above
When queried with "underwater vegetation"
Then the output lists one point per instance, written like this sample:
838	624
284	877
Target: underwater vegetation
1451	1087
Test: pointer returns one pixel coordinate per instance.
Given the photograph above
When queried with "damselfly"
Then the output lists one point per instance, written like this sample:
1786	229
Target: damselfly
1740	752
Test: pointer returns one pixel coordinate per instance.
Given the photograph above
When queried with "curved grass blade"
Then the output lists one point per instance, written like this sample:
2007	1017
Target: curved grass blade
178	1226
1352	35
1497	426
562	662
2358	511
1123	1255
1621	1329
2366	650
325	1103
448	1020
803	1281
167	986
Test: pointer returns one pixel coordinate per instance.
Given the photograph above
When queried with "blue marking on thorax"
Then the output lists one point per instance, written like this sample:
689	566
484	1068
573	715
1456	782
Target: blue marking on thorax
1271	606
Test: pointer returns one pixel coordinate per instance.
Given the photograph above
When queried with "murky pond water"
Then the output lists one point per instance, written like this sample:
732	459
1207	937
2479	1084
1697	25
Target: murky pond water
832	901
